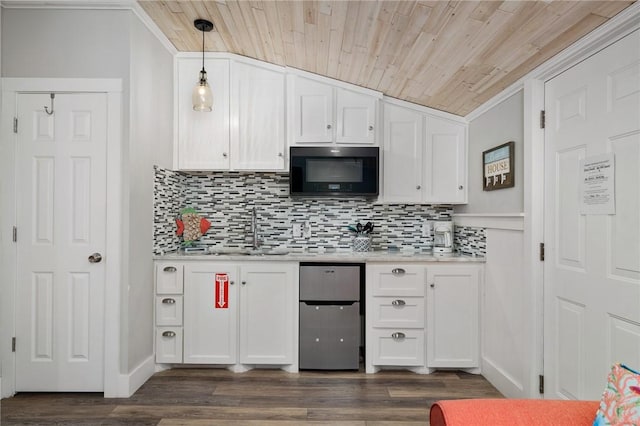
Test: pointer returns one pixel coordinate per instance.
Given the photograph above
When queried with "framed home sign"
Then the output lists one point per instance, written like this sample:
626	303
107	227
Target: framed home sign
497	166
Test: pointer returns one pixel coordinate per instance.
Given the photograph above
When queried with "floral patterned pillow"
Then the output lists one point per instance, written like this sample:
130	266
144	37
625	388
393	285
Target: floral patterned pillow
620	403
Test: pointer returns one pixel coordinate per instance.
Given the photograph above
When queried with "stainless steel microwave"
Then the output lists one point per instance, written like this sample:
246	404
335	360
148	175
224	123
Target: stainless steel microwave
333	171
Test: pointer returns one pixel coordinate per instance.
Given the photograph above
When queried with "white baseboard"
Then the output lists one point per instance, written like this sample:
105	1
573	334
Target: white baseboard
128	384
507	385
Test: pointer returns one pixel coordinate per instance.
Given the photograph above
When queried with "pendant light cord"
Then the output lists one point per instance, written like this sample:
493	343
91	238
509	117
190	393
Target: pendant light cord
203	51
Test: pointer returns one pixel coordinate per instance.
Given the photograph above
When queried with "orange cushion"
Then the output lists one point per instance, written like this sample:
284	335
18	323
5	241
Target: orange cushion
513	412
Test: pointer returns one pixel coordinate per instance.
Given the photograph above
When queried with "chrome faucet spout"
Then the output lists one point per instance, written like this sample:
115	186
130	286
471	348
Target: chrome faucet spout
254	229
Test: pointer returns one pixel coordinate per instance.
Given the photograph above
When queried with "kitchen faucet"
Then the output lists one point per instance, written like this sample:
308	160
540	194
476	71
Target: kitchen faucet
254	229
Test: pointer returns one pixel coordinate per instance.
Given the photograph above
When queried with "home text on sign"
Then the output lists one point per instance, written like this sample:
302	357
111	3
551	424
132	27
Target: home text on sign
222	291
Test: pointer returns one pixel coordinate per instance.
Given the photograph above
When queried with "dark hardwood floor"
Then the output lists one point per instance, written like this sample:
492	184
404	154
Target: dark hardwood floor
259	397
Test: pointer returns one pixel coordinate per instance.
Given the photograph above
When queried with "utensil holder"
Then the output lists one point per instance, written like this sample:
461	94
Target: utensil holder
361	244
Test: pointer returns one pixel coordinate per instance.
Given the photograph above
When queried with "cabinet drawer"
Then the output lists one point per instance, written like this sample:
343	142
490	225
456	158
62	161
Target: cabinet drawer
169	345
169	310
402	312
333	282
398	346
397	280
169	278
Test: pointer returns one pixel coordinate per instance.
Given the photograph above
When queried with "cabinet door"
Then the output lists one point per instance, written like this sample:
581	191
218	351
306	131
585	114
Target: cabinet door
453	316
445	161
203	137
313	110
210	335
356	117
402	155
257	118
267	298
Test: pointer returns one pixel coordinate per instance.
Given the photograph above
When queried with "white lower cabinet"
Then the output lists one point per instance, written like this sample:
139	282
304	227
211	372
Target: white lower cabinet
230	313
422	316
453	325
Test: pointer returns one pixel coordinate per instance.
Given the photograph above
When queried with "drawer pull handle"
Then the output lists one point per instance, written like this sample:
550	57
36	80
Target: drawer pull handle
329	271
398	271
169	301
170	269
398	302
169	334
398	336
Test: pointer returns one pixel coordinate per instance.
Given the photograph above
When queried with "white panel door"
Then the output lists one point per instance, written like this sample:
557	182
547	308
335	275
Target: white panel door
445	161
356	116
592	265
61	173
257	118
313	109
267	300
453	327
402	155
209	330
203	137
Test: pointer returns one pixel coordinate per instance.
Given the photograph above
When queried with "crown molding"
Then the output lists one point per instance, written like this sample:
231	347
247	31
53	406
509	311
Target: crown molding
608	33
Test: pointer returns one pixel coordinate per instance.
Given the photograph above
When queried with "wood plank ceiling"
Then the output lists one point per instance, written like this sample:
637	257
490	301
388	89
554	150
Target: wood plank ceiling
448	55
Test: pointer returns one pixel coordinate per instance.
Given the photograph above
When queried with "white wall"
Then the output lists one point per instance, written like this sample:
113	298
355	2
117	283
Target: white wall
501	124
151	136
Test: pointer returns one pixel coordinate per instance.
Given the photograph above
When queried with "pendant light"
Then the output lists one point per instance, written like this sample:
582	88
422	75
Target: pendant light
202	97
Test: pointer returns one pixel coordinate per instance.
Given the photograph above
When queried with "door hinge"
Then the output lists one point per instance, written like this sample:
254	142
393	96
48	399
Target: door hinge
541	252
542	119
13	344
541	383
15	234
15	124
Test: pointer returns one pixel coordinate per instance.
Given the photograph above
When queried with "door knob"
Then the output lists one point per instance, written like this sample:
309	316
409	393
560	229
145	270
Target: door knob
95	258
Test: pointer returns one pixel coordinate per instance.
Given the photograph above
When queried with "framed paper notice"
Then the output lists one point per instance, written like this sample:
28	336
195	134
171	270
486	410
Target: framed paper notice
597	186
497	166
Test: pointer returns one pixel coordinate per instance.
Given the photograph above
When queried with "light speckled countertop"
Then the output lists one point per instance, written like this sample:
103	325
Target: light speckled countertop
317	256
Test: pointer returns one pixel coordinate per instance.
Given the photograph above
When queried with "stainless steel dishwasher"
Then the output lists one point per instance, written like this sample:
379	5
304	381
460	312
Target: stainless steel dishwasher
330	315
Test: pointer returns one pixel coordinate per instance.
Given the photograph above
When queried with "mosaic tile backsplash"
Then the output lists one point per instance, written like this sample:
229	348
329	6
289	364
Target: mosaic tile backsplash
226	199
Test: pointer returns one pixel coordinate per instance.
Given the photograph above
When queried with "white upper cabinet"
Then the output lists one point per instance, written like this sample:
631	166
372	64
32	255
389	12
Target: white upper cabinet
258	140
402	155
313	111
202	137
325	113
424	157
445	161
356	114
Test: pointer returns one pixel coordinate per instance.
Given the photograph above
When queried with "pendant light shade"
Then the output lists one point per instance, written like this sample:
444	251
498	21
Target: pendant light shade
202	96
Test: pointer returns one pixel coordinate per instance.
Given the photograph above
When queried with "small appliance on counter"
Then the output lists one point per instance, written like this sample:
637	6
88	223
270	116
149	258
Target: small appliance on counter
443	236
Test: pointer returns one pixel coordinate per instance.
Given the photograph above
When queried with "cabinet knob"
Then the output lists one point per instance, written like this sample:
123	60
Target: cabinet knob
169	269
418	187
398	271
432	285
169	334
398	302
328	126
244	283
370	127
224	154
461	187
398	335
280	155
169	301
231	282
